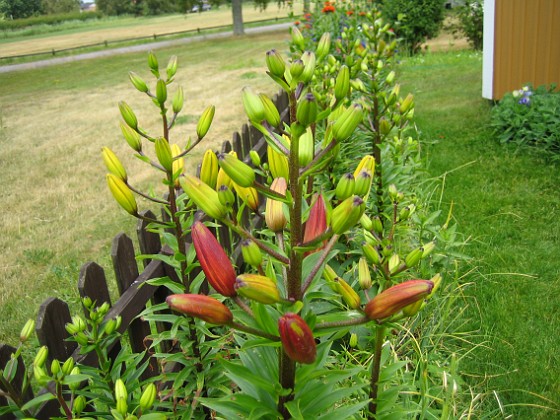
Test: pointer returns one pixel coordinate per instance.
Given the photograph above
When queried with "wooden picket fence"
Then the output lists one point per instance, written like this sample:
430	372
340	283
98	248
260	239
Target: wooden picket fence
135	293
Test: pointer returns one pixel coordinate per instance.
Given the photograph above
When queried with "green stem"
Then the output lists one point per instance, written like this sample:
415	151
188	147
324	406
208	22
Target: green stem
254	331
242	232
339	324
319	264
375	371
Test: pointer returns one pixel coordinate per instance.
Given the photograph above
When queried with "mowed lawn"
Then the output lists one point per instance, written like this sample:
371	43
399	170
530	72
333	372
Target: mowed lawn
112	29
56	211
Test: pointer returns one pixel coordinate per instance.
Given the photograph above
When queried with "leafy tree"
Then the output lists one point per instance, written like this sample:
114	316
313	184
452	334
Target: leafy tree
158	7
59	6
118	7
414	21
17	9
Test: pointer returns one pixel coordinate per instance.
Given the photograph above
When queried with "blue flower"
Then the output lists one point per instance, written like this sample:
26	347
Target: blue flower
525	101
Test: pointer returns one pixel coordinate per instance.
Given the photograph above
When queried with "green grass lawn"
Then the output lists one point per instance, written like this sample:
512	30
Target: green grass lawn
506	202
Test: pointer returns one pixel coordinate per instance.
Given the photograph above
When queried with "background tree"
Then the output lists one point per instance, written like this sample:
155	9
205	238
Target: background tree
237	15
59	6
17	9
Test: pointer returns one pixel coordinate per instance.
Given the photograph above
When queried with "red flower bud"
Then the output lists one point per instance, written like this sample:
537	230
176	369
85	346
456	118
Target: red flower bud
397	297
201	306
214	261
297	338
316	224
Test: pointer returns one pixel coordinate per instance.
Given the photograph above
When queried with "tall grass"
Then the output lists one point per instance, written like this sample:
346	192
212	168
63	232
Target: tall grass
507	203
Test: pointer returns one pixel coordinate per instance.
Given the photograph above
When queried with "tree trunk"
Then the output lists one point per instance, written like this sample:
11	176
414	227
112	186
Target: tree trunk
237	13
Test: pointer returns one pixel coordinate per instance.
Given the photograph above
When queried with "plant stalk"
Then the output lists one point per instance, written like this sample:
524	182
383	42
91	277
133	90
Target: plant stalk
375	371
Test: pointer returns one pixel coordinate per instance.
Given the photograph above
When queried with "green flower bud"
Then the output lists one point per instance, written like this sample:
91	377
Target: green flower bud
41	357
306	112
413	257
345	187
342	83
309	62
407	104
258	288
348	294
128	115
131	137
324	45
275	63
428	248
271	113
297	38
205	197
120	390
390	77
27	330
363	184
278	164
148	397
138	82
209	168
55	367
364	275
152	61
122	194
178	100
81	339
345	125
377	225
253	105
226	196
79	404
239	172
353	340
296	69
394	263
205	121
164	153
306	147
122	406
171	67
161	91
40	375
113	164
255	158
371	254
384	126
68	366
347	214
366	222
251	253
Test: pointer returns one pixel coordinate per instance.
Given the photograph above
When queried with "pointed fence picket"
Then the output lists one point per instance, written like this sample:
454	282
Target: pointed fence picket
134	291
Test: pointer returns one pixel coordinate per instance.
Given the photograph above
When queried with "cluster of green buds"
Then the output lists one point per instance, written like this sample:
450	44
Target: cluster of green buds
126	409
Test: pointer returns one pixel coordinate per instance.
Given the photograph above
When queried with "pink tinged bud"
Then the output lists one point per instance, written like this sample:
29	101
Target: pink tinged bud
297	338
395	298
200	306
316	224
214	261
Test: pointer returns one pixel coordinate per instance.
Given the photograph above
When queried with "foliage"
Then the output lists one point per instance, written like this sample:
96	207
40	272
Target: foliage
18	9
529	117
12	25
414	21
60	6
118	7
470	23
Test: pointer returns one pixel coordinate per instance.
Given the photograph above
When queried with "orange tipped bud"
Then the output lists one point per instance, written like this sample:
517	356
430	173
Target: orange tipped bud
397	297
274	214
316	224
297	338
258	288
200	306
214	261
348	294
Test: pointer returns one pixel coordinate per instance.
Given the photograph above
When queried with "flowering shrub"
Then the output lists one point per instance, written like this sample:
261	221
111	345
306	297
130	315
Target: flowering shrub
529	117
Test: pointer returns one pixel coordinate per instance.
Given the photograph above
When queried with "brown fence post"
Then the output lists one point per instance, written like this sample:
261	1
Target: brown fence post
51	328
6	352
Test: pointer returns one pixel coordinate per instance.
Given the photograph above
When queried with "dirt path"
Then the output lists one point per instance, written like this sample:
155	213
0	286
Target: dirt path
137	48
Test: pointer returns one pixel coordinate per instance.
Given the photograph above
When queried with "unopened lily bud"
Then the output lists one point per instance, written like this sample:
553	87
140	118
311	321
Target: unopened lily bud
27	330
324	45
271	114
366	164
213	260
342	83
364	275
348	294
239	172
205	197
255	158
122	194
209	168
428	248
345	187
413	257
363	184
131	137
81	339
205	121
437	282
164	154
113	163
384	126
258	288
55	367
353	340
171	67
226	196
390	77
249	195
68	366
178	163
394	263
277	164
395	298
407	104
122	406
406	211
393	192
251	253
148	397
377	225
316	223
41	357
371	254
152	61
297	338
275	63
138	82
366	222
201	306
306	147
329	274
296	69
178	100
110	326
309	61
347	214
345	125
306	112
253	105
40	375
79	404
358	85
413	308
161	91
274	214
297	38
128	115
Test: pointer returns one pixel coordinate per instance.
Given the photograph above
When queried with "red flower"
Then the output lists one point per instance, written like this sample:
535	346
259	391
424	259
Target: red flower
297	339
350	12
214	261
200	306
296	23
